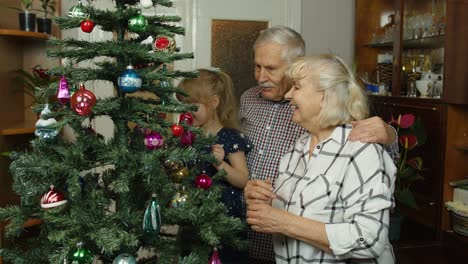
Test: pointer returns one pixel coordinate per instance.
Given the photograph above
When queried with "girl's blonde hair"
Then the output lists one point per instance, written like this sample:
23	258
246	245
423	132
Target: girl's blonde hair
209	83
343	98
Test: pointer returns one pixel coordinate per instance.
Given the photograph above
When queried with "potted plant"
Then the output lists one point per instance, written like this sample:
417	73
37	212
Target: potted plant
44	24
27	20
411	135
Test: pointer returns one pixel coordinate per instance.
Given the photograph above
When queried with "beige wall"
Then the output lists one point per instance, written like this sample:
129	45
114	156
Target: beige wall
328	25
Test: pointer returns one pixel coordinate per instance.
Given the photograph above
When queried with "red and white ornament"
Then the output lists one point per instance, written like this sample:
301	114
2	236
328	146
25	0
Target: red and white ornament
186	118
177	130
164	43
82	101
52	198
203	181
87	25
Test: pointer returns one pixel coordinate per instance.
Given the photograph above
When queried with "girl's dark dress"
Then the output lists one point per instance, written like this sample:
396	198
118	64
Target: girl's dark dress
232	141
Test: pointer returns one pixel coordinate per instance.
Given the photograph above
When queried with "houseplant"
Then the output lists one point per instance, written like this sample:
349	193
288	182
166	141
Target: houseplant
27	20
411	135
44	24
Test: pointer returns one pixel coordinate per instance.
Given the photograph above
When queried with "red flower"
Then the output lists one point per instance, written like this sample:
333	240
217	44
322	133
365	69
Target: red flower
408	141
415	163
406	120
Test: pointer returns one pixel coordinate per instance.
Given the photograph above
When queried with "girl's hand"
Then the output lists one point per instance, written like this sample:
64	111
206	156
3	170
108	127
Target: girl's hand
218	152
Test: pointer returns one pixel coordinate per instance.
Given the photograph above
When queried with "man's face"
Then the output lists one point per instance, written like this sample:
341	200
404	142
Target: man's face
270	71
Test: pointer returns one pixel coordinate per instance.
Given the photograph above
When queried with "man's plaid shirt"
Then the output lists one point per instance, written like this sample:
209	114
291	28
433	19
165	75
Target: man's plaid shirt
270	128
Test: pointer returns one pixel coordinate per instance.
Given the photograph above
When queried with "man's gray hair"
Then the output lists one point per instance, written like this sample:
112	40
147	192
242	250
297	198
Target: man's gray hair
285	36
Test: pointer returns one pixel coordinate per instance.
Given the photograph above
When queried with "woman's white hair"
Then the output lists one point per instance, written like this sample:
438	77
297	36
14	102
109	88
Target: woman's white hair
285	36
343	98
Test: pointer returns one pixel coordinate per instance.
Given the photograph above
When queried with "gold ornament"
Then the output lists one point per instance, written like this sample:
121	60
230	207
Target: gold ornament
179	174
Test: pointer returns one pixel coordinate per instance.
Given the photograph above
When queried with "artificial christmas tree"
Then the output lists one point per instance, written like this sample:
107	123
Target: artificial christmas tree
108	200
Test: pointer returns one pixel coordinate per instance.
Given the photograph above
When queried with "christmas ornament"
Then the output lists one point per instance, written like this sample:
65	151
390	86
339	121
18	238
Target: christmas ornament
163	43
129	81
82	101
39	72
77	11
179	174
153	140
52	198
170	164
63	94
187	138
203	181
152	217
146	3
81	255
215	257
138	23
43	126
87	25
177	130
186	118
124	259
179	199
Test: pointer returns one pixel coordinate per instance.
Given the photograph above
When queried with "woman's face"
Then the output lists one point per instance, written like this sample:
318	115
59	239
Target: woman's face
306	101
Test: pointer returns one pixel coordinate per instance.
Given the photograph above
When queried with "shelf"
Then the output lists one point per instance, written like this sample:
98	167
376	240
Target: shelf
422	43
17	128
23	34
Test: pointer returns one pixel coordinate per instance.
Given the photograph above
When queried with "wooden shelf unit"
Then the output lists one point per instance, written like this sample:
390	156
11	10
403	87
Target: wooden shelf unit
23	34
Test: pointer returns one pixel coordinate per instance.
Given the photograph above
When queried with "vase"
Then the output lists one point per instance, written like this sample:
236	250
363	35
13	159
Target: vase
27	21
44	25
394	228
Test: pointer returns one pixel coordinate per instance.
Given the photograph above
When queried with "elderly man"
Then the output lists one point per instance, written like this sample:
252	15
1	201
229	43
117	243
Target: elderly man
266	118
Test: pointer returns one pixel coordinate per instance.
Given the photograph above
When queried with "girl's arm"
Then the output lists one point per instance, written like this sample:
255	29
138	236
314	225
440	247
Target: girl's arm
237	172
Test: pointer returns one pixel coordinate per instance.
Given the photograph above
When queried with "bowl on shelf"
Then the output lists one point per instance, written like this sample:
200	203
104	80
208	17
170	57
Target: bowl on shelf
423	86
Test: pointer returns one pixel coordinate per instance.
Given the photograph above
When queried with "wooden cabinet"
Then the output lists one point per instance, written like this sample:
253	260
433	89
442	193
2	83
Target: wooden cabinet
19	50
382	33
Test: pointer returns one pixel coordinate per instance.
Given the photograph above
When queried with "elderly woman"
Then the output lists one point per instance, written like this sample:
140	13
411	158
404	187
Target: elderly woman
332	199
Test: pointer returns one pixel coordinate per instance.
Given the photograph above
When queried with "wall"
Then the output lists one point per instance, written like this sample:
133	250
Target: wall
328	26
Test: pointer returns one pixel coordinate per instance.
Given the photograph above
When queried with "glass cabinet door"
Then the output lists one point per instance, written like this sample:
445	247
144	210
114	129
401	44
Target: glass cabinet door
423	33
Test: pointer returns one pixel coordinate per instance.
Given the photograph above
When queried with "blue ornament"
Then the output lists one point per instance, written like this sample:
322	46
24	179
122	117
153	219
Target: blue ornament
152	218
125	259
129	81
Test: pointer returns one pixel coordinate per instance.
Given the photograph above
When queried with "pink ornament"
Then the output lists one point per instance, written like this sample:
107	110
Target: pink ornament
186	118
215	257
153	140
82	101
203	181
63	94
187	138
52	198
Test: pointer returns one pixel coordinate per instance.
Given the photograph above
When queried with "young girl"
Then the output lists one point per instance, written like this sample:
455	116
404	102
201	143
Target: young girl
217	115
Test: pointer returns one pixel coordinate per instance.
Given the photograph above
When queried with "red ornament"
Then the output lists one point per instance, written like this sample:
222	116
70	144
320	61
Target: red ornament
164	43
186	118
177	130
187	138
87	25
52	198
82	101
203	181
215	257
